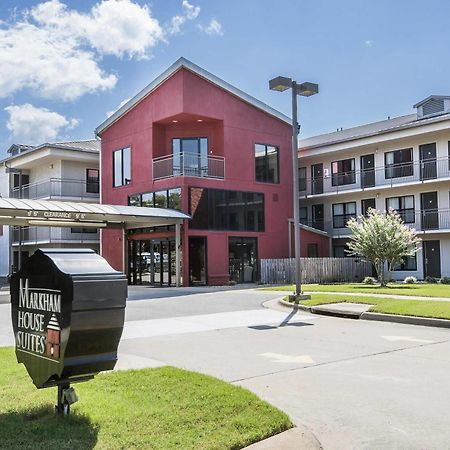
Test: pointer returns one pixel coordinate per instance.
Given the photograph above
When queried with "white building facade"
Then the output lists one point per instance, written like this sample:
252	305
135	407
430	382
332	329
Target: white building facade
66	171
401	164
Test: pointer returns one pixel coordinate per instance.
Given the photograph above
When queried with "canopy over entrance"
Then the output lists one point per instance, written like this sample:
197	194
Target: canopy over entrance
46	213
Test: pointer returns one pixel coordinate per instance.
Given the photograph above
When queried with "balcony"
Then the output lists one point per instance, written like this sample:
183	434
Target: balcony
189	165
48	235
417	172
57	188
424	222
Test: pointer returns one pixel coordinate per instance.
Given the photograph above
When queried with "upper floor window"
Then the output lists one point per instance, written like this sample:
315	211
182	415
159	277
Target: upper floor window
399	163
342	213
404	206
266	163
92	181
343	172
190	156
303	215
170	198
122	167
302	179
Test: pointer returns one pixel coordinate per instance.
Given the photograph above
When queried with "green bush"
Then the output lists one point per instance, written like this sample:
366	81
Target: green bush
369	280
430	280
410	280
445	280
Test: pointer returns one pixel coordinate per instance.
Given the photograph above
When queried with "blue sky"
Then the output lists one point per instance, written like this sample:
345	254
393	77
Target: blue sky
65	64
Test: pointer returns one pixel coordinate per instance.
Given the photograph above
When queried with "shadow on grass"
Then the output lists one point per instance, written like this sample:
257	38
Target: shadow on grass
40	429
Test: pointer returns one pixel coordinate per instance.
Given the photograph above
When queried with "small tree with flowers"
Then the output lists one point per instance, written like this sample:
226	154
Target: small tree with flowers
383	239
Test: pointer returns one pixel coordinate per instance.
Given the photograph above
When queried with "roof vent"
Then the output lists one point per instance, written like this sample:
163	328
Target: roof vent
434	105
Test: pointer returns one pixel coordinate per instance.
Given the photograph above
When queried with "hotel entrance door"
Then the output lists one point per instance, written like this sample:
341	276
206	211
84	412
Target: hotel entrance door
152	262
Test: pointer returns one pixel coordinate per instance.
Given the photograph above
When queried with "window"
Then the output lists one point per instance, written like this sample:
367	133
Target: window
83	230
92	181
302	179
404	206
190	156
342	213
217	209
409	263
303	215
313	250
169	198
122	167
366	204
343	172
318	217
398	164
266	163
339	251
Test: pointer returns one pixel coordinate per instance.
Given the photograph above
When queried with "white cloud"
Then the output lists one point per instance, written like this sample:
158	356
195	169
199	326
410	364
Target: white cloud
110	113
31	125
190	12
368	43
56	51
214	28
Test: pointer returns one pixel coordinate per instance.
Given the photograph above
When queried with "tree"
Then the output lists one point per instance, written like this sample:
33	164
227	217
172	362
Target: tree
383	239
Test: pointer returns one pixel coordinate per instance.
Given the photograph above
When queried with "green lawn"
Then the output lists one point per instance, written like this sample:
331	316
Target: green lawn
418	308
420	290
163	408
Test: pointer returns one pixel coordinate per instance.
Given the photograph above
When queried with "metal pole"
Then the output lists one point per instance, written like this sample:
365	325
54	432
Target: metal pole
298	288
19	260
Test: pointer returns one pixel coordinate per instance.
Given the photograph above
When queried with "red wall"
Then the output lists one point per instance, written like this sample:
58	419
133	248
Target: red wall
232	127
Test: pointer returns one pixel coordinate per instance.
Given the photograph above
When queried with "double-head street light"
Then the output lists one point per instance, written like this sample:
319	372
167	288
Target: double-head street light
306	90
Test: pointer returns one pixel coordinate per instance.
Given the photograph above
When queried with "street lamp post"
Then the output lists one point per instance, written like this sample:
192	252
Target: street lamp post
306	90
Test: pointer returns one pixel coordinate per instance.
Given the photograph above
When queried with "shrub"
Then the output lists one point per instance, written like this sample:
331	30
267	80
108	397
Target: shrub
430	280
369	280
445	280
410	280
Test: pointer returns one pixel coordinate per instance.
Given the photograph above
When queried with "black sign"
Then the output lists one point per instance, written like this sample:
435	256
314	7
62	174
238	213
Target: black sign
68	311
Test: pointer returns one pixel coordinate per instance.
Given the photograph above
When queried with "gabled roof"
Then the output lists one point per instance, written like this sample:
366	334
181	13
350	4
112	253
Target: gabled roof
186	64
435	97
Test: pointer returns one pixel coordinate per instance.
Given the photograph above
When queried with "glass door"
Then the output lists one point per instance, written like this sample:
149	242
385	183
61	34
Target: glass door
243	259
197	260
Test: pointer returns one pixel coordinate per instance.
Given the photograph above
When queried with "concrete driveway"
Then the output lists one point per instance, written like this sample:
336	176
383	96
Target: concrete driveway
353	384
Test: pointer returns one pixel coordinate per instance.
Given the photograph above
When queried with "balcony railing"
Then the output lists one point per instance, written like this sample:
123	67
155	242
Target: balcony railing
430	221
43	235
58	188
388	176
189	165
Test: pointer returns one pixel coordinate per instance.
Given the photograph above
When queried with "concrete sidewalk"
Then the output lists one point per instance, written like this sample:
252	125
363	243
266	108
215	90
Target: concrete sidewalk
398	297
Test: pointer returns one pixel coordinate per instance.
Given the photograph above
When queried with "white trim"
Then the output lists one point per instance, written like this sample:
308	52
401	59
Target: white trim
185	63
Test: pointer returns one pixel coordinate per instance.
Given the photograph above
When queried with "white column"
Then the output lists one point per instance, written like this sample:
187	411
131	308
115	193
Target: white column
177	254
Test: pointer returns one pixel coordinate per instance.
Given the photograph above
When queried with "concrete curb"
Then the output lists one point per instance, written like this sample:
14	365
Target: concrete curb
409	320
294	439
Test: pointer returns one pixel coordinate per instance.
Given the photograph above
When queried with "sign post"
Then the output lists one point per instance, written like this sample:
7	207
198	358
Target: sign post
68	310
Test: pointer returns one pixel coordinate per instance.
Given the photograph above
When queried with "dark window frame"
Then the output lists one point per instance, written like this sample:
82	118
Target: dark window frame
311	246
403	267
343	177
123	181
402	211
402	168
345	216
92	187
265	176
304	219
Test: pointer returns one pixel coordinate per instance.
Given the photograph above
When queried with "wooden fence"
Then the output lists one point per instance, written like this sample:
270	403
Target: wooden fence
315	270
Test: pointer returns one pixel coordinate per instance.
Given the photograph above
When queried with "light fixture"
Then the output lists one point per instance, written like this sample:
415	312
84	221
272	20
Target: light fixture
199	120
174	121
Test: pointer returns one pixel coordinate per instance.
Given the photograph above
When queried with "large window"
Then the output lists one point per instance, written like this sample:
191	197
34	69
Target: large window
266	163
122	167
342	213
409	263
190	156
404	206
343	172
169	198
398	164
92	181
217	209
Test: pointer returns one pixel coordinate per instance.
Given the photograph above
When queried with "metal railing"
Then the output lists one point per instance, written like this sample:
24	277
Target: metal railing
41	235
389	175
189	165
428	221
58	188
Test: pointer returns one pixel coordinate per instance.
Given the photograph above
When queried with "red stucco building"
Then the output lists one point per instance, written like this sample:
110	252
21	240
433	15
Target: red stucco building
193	142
